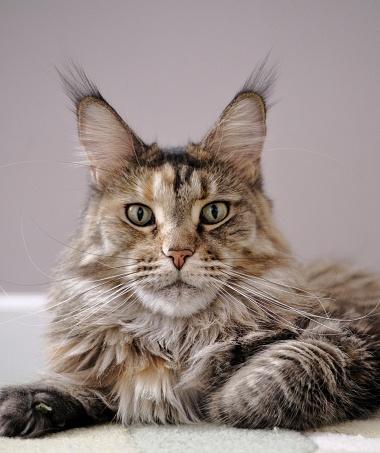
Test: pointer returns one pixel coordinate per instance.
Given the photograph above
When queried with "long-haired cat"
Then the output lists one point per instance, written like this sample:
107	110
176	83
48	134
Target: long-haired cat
179	301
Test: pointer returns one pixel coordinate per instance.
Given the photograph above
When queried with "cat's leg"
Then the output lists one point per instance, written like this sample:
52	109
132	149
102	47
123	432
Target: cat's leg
300	385
43	408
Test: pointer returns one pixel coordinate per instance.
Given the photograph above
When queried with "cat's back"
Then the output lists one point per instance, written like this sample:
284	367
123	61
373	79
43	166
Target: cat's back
344	285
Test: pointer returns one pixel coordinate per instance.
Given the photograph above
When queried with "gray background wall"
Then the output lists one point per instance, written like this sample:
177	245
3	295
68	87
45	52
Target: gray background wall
170	67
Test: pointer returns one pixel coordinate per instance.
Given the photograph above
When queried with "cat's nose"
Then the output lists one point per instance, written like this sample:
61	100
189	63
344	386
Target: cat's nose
179	256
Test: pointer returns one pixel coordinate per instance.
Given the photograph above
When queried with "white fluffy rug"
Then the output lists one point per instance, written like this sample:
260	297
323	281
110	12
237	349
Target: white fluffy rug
358	436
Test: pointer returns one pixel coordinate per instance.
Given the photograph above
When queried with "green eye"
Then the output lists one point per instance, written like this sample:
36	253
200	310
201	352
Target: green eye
139	214
214	213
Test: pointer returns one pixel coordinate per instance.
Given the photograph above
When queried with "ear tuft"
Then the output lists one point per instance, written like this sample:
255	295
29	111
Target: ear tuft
262	81
77	85
109	142
239	134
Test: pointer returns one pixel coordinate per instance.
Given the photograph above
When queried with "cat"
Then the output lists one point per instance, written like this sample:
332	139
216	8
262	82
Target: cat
179	301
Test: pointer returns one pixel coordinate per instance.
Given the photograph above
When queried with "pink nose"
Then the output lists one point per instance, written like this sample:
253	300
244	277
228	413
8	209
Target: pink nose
179	257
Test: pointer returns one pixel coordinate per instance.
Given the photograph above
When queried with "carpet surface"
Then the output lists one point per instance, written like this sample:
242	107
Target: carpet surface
163	439
344	443
357	436
211	439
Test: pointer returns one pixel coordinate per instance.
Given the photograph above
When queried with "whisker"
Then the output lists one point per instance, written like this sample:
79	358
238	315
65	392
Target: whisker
292	290
47	309
318	153
3	290
308	295
269	298
41	161
270	313
94	309
27	251
84	252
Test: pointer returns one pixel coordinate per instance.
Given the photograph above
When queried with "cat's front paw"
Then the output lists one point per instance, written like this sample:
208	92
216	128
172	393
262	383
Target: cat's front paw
33	412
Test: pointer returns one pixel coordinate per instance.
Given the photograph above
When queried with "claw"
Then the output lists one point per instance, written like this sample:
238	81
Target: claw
42	407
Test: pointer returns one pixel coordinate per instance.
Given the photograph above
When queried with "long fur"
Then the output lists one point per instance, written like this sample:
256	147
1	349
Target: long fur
240	333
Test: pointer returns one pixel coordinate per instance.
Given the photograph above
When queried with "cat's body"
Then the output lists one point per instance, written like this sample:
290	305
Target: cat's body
179	301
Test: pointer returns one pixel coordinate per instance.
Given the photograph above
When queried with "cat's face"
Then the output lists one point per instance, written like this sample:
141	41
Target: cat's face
177	226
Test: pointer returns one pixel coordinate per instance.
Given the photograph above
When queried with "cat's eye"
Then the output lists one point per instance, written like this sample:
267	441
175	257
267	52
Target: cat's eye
139	214
214	213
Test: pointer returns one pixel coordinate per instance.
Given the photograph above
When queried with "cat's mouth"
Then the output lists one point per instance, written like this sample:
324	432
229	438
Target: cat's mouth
177	298
179	285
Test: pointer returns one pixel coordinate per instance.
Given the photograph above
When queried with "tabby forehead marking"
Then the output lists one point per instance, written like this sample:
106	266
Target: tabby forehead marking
157	182
168	173
213	188
204	186
183	174
196	185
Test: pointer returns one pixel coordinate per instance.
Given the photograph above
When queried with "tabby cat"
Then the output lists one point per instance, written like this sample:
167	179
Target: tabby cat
179	301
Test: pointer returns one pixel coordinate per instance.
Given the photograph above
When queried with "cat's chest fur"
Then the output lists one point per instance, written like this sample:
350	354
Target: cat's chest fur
148	394
147	387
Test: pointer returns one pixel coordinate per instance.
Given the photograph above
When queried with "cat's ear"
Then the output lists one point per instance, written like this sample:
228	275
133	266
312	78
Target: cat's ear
239	134
108	141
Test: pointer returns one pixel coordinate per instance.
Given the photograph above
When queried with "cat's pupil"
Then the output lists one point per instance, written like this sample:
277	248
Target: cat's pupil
214	211
140	213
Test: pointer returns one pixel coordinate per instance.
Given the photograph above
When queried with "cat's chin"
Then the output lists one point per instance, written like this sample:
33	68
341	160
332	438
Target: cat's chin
176	300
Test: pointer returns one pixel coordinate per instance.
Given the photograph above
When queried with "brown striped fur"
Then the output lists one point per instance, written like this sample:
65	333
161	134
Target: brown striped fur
239	333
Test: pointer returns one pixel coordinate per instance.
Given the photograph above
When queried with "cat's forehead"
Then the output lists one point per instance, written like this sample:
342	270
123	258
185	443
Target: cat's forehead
180	178
176	176
182	181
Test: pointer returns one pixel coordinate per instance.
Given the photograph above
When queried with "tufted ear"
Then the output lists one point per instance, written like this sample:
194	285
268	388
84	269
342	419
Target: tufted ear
239	134
109	142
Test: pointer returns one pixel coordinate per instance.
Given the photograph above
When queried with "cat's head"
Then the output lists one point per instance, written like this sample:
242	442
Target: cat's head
177	228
